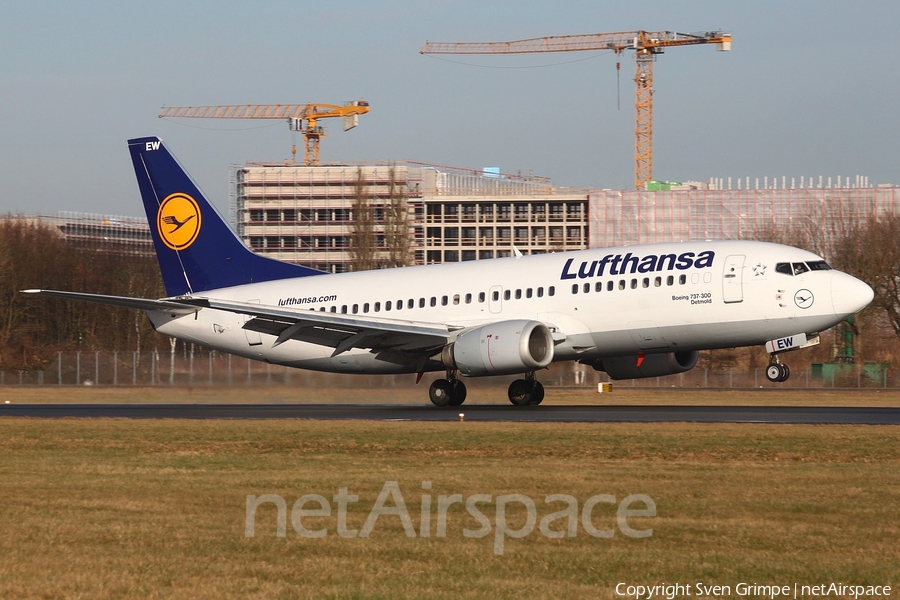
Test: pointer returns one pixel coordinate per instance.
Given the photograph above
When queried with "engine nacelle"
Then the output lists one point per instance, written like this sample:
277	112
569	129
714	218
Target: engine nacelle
501	348
652	365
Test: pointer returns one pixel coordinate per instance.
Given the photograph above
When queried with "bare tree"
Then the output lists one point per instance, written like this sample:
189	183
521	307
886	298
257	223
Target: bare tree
396	221
871	252
362	235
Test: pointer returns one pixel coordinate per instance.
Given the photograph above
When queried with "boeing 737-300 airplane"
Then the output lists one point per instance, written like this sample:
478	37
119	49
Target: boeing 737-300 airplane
636	311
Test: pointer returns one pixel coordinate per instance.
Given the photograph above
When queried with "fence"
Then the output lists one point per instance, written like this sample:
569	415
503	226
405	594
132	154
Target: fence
190	368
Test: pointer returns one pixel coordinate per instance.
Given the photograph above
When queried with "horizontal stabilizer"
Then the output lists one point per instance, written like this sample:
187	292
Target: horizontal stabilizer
172	306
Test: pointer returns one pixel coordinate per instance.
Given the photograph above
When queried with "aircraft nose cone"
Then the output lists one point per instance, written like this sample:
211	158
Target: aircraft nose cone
849	295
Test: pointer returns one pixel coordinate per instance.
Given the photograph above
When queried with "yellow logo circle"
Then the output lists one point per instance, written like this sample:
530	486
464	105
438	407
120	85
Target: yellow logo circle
178	221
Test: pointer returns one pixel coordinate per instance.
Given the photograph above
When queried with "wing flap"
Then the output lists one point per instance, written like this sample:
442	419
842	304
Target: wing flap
336	330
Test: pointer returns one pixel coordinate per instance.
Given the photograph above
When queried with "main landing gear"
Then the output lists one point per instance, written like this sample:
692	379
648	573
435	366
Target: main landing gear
525	392
452	391
447	392
777	372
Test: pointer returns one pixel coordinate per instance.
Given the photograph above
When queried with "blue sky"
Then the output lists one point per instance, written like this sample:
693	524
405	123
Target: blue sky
810	88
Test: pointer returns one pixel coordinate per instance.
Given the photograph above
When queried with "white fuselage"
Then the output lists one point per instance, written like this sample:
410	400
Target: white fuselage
598	303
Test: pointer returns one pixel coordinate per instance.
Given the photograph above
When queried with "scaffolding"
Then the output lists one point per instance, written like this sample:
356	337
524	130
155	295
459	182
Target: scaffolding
819	216
106	233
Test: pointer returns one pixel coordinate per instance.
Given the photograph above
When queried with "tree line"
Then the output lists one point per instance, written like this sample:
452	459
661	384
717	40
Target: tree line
34	328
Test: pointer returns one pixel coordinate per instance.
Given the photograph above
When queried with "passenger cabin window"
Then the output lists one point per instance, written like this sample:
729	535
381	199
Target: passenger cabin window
551	291
481	296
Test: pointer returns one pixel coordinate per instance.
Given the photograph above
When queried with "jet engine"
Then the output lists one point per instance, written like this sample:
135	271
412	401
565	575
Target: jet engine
649	365
501	348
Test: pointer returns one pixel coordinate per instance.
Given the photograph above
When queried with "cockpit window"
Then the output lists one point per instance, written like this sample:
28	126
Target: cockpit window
800	268
819	265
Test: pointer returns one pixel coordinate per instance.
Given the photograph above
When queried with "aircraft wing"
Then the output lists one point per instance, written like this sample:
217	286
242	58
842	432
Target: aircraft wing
339	331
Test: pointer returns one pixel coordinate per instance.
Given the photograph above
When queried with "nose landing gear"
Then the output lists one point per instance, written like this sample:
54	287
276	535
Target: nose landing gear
777	372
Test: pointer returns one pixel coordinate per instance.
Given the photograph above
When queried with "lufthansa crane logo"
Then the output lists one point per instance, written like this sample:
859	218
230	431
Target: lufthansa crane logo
804	299
178	221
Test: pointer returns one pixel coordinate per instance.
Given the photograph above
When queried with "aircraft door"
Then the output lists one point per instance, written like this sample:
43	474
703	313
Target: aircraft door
732	279
495	299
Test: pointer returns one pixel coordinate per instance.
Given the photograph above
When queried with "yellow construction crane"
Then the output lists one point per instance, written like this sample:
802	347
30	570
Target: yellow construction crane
646	45
301	117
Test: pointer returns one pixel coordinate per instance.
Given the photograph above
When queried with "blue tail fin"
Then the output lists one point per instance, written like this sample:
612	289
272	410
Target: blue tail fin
196	249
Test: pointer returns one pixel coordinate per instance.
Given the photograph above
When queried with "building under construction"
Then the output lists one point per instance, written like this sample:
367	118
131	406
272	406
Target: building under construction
815	216
107	233
353	217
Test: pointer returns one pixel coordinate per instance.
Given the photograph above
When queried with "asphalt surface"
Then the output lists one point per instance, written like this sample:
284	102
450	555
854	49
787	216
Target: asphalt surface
552	413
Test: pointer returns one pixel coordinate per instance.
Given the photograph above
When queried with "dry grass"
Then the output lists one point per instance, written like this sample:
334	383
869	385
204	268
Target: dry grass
480	392
120	508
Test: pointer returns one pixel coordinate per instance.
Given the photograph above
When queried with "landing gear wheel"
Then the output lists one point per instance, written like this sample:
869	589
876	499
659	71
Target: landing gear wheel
447	392
519	392
440	392
785	373
777	372
457	392
524	392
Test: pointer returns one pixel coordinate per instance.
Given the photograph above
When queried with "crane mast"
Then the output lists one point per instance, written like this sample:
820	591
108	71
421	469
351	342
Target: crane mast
301	117
646	45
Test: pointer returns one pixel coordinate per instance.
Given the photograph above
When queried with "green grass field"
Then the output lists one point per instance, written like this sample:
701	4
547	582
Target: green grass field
121	508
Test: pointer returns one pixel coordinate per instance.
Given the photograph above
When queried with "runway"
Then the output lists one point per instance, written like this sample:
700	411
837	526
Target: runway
551	413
